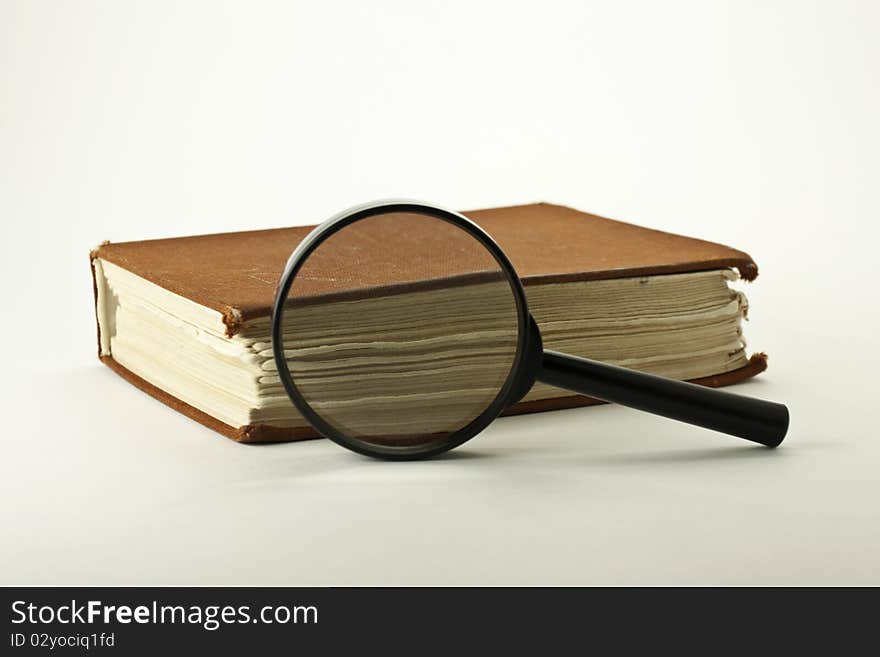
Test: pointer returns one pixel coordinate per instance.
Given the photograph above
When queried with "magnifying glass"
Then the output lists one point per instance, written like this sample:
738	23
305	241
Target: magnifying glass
400	330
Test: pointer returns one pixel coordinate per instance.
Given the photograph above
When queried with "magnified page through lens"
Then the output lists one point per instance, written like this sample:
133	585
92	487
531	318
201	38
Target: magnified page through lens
400	330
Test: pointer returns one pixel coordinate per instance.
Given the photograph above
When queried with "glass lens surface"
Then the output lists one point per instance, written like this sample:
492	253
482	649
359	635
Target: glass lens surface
400	329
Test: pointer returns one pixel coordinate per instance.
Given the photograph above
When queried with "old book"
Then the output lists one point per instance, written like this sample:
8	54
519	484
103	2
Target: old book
187	319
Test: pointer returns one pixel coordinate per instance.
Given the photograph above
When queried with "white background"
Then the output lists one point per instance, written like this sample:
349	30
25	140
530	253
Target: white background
749	123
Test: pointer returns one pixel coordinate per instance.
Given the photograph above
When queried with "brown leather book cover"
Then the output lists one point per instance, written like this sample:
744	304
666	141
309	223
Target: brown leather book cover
236	274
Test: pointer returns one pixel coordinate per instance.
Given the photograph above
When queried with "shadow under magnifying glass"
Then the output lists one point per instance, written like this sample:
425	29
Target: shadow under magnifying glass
682	456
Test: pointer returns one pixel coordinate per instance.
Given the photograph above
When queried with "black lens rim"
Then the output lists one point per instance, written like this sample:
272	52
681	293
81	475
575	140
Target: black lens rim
333	225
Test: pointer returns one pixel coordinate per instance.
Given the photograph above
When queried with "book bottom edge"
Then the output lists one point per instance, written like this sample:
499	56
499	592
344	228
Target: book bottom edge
265	433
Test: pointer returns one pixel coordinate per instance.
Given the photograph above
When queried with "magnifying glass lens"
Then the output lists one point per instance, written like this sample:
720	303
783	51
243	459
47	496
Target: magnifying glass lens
399	330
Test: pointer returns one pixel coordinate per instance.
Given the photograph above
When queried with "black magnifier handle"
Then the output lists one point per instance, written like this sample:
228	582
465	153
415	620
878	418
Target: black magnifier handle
757	420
